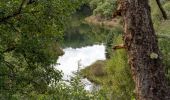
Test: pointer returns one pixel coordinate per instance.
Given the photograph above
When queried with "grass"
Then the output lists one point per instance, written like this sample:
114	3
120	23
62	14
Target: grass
96	72
114	74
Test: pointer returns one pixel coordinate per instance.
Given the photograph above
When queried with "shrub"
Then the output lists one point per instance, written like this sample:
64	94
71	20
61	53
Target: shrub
98	68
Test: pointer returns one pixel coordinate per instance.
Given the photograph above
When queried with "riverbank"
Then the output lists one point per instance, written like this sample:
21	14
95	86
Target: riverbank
75	59
95	72
94	20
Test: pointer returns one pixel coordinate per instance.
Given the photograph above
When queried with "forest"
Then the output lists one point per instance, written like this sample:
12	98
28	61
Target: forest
84	50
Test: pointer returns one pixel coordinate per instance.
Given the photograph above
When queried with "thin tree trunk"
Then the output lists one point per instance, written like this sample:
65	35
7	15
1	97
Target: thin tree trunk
143	52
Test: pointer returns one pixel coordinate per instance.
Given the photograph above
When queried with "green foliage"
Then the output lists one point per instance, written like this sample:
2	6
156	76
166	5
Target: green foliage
110	40
121	81
117	83
98	69
29	49
165	48
64	90
103	8
79	33
162	28
167	7
73	91
156	14
95	72
29	35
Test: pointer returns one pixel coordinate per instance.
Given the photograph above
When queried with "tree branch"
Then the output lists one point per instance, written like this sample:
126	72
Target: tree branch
162	9
18	12
9	49
11	68
118	10
120	46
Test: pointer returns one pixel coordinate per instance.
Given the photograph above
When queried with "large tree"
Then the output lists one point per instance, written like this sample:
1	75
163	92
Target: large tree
29	34
144	55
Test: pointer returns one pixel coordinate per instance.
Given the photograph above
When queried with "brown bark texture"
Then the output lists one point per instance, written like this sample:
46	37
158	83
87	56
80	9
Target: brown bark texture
143	53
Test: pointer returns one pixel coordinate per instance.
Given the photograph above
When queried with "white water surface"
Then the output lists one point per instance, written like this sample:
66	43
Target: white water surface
82	57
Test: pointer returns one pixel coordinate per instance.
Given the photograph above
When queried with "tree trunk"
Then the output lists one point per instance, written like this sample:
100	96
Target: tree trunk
143	53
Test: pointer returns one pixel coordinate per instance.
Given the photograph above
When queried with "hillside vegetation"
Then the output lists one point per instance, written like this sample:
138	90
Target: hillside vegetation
118	81
32	33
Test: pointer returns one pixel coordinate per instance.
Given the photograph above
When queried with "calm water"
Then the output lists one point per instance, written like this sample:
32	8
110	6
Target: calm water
81	57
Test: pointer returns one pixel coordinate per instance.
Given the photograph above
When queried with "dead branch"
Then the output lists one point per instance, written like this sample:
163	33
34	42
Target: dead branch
120	46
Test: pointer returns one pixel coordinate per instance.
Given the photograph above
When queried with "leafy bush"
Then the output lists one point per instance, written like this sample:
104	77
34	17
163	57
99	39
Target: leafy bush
121	81
110	40
103	8
29	37
65	90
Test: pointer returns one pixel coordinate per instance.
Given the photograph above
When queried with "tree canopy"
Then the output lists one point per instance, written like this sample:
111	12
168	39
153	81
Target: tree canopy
103	8
29	34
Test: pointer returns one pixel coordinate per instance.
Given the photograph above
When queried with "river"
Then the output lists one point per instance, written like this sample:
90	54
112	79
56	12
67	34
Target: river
80	57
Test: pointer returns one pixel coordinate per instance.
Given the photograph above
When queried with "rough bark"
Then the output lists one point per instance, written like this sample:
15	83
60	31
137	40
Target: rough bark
143	53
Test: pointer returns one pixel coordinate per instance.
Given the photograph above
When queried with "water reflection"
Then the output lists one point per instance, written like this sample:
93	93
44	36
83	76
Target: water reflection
81	57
